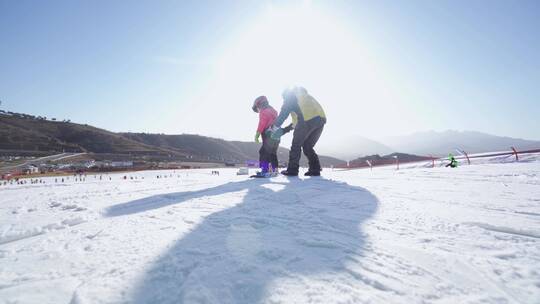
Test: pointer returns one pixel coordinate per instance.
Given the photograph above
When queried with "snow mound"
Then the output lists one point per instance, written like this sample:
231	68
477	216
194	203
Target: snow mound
11	233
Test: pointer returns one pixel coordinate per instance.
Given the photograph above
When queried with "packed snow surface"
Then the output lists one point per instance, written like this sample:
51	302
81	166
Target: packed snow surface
417	235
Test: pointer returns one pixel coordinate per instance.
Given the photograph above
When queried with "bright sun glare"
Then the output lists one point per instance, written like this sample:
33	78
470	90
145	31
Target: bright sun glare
304	45
294	44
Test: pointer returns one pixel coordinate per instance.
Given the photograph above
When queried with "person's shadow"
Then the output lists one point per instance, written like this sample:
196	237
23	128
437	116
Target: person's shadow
280	232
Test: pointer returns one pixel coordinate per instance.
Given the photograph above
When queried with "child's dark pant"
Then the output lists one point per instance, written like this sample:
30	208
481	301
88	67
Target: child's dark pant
268	153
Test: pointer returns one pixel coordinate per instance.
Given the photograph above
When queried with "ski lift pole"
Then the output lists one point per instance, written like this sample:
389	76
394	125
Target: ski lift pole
515	153
462	152
467	156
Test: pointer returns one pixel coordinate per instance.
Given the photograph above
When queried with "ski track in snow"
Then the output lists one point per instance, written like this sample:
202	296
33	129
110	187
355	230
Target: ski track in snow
418	235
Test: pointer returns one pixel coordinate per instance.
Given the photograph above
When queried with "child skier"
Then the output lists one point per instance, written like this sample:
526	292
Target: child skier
268	161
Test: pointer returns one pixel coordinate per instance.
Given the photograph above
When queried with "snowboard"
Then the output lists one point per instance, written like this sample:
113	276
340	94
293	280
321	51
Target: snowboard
265	175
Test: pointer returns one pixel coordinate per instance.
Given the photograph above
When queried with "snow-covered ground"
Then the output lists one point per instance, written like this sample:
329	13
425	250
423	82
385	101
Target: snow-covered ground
417	235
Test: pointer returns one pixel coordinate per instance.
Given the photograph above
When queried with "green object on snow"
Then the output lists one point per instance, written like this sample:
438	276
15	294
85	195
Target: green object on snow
453	161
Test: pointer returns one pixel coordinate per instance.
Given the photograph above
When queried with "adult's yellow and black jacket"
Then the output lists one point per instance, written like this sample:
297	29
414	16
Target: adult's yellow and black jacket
302	107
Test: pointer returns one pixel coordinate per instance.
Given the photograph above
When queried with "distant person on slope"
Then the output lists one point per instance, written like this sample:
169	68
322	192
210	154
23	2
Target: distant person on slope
453	161
268	151
308	120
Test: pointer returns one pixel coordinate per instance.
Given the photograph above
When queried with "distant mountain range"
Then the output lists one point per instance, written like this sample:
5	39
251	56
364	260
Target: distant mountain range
27	134
442	143
426	144
215	149
23	134
352	147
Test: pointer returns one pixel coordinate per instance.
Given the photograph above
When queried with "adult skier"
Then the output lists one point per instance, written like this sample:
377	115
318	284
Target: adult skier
308	119
268	160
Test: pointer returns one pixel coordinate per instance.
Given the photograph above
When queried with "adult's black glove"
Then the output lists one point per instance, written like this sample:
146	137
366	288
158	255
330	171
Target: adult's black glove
288	129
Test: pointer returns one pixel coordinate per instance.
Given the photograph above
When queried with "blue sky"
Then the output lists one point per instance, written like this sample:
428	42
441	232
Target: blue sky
380	68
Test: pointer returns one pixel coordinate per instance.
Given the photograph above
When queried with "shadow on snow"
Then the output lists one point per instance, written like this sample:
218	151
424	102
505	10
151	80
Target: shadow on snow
304	228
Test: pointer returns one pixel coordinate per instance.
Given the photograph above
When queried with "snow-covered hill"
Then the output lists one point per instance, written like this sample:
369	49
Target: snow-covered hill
419	235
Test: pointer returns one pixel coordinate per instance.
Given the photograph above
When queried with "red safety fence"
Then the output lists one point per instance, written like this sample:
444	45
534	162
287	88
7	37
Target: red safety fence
514	152
465	156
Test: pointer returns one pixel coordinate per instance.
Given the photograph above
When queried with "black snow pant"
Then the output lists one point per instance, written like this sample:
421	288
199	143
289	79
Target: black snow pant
268	152
305	137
